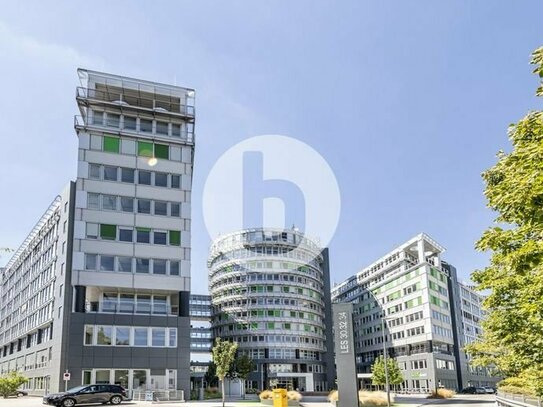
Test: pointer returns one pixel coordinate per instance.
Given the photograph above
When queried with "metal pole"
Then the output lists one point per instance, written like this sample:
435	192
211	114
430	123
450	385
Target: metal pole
387	385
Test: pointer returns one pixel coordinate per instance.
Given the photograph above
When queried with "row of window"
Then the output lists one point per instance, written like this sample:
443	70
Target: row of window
125	303
131	205
103	262
438	330
445	364
108	335
133	235
140	124
130	176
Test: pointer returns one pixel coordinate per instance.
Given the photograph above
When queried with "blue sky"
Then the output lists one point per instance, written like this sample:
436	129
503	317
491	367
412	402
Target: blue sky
407	101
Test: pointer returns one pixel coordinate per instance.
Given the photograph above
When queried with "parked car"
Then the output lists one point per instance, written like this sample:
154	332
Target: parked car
469	390
19	393
489	390
480	390
94	393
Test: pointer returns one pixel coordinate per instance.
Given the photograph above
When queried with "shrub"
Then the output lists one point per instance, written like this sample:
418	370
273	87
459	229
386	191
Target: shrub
516	390
250	390
212	393
266	395
294	395
374	398
10	383
333	396
442	394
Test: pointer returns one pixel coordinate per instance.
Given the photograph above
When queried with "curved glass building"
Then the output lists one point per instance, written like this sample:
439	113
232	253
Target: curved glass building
270	293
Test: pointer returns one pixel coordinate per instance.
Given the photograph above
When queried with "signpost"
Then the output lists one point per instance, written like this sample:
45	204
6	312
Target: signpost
347	381
66	379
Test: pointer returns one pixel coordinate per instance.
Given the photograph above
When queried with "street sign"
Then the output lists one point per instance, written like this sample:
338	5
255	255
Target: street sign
67	375
347	382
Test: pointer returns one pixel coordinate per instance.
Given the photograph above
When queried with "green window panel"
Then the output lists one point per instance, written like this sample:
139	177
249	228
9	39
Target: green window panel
270	325
111	144
175	237
254	325
162	151
145	149
286	326
108	232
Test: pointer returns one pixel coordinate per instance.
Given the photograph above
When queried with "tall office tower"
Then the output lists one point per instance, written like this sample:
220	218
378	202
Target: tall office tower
409	286
118	301
270	293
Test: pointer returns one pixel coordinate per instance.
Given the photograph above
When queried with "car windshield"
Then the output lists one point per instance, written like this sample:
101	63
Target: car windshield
76	389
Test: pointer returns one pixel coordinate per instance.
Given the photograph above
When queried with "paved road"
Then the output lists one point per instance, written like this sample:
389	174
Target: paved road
404	401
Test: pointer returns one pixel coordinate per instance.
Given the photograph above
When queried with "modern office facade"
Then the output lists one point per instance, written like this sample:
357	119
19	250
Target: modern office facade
472	313
117	308
429	316
409	286
270	293
201	339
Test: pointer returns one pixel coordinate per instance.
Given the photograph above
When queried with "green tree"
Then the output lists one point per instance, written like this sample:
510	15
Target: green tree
210	376
378	372
513	330
10	382
243	366
223	353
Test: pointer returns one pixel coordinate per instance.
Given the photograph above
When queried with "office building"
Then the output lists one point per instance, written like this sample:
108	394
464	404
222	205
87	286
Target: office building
270	293
201	340
105	274
409	286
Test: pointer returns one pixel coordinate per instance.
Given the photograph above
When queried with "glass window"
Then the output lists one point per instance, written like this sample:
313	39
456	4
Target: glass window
103	337
161	208
92	230
97	118
158	336
126	235
89	333
107	263
174	268
102	377
144	206
94	171
87	374
90	261
144	177
175	237
127	204
110	173
125	264
174	209
122	336
111	144
161	128
109	303
142	266
146	126
140	337
160	303
113	120
127	175
108	232
176	130
159	237
161	179
93	201
121	378
176	181
139	381
159	266
109	202
162	151
172	337
129	122
127	303
143	235
143	304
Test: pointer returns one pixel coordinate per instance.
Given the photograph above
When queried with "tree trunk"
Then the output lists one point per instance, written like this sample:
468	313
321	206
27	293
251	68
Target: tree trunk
223	395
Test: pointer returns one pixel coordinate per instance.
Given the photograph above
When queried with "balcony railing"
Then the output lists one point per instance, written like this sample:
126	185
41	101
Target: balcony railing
140	101
84	122
130	309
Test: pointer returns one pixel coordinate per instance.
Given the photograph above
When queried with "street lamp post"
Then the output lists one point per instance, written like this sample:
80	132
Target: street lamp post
385	360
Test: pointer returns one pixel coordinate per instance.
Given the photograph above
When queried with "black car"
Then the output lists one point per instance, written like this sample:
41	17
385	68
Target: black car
469	390
94	393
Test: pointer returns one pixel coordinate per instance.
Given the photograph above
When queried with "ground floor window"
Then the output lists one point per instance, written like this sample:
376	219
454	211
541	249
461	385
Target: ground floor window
132	379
